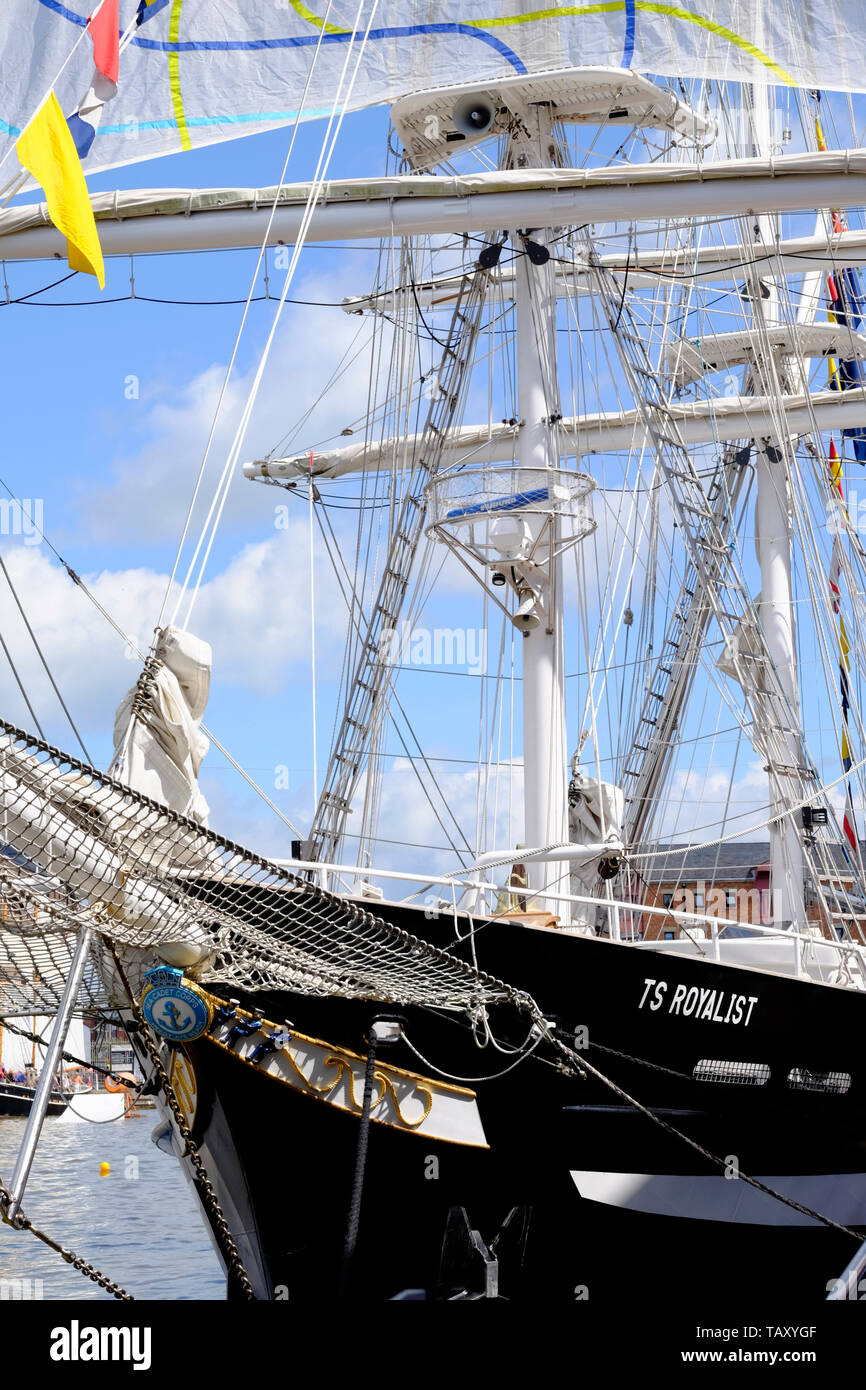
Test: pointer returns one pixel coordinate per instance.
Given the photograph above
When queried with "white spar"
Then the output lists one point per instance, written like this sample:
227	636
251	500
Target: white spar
410	205
700	422
646	269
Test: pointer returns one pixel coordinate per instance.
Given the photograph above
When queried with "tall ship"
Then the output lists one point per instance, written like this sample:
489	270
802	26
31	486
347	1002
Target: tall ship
592	556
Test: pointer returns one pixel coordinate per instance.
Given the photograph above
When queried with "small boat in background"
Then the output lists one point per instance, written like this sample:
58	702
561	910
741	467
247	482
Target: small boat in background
16	1098
22	1058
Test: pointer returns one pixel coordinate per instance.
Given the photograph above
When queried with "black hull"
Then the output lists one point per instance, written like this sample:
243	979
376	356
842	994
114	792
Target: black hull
17	1100
283	1161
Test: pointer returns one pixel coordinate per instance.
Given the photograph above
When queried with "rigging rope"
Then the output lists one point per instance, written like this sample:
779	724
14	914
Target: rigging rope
39	653
241	326
221	494
132	646
579	1060
20	685
146	876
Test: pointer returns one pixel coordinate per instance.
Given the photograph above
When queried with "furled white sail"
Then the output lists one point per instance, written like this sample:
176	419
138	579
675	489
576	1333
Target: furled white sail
158	742
596	812
196	72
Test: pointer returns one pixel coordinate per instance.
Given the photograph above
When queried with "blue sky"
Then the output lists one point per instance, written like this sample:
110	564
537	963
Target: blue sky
112	494
113	477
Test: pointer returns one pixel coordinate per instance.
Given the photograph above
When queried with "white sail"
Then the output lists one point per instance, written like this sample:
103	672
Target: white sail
195	73
17	1053
158	742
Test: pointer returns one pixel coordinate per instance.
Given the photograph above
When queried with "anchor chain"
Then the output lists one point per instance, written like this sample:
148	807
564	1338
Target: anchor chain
20	1222
203	1183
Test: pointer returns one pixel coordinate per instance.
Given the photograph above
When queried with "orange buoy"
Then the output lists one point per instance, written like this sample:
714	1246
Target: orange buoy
104	1169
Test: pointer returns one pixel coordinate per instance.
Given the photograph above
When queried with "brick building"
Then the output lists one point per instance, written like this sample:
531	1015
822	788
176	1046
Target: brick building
732	881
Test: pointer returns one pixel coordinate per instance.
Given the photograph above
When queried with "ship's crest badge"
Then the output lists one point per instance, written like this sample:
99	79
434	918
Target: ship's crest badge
175	1007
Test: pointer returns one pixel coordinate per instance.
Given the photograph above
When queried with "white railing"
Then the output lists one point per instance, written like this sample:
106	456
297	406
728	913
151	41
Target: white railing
849	956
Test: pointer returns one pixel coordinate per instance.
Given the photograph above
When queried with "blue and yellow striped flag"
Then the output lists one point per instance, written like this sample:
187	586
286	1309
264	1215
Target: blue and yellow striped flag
47	149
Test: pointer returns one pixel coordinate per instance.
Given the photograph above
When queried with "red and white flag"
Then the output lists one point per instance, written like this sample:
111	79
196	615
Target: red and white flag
104	30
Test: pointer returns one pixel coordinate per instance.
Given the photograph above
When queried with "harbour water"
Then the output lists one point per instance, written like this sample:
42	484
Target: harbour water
139	1224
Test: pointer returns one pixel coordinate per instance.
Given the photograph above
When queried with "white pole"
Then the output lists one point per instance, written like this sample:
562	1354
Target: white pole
700	422
773	542
632	194
313	637
545	757
775	612
51	1062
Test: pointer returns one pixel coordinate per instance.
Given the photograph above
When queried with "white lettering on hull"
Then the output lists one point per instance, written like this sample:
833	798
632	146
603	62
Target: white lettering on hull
714	1005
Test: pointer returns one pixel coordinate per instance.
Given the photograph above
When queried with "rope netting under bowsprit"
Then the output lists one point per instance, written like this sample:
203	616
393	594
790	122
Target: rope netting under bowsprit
34	966
81	848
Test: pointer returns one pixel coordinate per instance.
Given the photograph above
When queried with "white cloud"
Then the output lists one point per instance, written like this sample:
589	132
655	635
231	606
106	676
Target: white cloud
703	804
255	613
409	835
163	435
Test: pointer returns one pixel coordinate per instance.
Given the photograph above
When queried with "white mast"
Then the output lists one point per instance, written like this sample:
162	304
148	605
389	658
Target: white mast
545	754
775	611
773	541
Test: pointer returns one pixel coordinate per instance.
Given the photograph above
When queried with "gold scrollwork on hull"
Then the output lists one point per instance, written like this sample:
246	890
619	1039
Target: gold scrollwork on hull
419	1091
413	1086
311	1085
386	1087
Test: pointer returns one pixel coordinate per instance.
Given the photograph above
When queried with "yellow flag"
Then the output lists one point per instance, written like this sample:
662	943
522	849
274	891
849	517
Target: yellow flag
47	149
